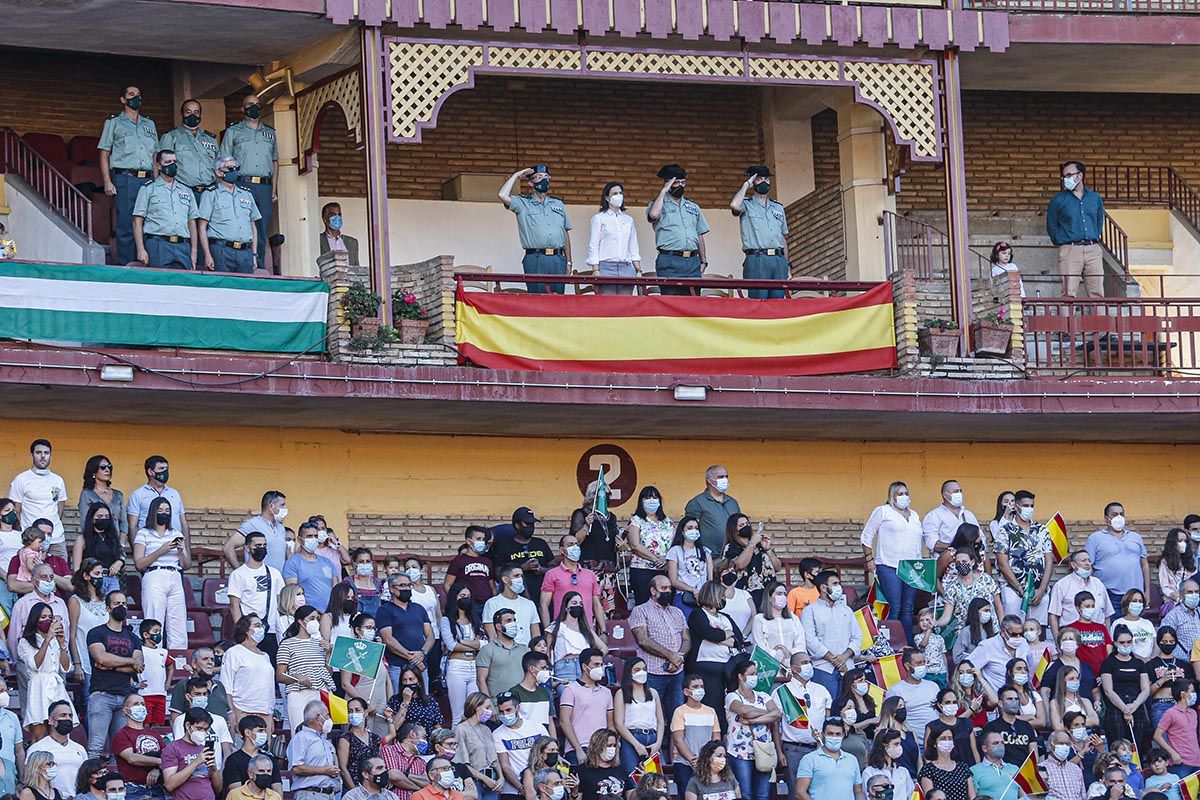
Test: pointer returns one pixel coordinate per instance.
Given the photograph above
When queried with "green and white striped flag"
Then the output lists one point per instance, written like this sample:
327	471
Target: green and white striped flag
161	308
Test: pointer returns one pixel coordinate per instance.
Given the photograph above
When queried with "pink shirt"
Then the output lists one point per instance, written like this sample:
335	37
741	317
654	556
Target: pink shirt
560	580
1180	728
591	707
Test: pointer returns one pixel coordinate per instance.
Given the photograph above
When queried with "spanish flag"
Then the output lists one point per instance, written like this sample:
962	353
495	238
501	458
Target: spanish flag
1040	670
794	712
867	625
339	712
1057	528
1189	787
888	671
1028	777
877	694
653	764
677	334
877	602
918	792
1137	757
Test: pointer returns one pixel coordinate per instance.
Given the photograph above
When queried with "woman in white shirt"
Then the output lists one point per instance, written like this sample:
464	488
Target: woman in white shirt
892	534
462	635
247	673
775	628
162	554
612	243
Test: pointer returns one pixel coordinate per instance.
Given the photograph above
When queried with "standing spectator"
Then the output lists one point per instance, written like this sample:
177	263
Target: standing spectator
942	522
638	716
1164	669
1023	550
1095	643
571	576
1126	687
99	541
1120	556
857	709
1006	512
751	713
116	656
586	705
689	563
1018	736
612	242
1176	730
332	240
1002	263
993	776
947	719
10	545
85	610
829	772
533	691
357	744
944	768
963	584
362	578
12	744
884	759
806	591
542	226
476	748
512	596
254	588
991	657
43	653
1064	777
1079	579
831	633
1184	618
713	507
919	694
531	553
247	674
413	704
715	639
64	751
269	523
693	727
739	604
335	620
774	628
650	535
933	646
1067	700
203	666
39	493
43	593
1033	708
513	740
316	574
751	556
498	666
712	778
660	630
157	471
679	228
1174	566
1075	222
163	554
763	226
39	779
462	635
196	694
98	488
371	782
422	594
1133	603
330	546
793	743
1068	657
301	665
127	144
893	715
259	780
601	775
892	534
315	774
138	750
473	567
252	142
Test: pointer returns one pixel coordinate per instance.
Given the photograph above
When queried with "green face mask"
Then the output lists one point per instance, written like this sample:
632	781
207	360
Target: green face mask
161	476
169	169
192	120
254	111
134	102
11	518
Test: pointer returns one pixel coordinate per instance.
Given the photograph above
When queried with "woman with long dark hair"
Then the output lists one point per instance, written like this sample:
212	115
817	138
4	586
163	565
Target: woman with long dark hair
85	610
689	563
98	488
43	650
301	664
612	241
100	540
637	716
462	635
568	636
650	534
751	554
1176	565
163	555
715	641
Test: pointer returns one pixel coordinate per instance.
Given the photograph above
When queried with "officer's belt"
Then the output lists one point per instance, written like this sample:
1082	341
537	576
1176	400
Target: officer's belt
679	253
227	243
137	173
770	251
256	178
545	251
171	239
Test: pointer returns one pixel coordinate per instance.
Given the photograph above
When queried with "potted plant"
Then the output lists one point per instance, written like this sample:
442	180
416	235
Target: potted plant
409	316
992	333
361	307
939	337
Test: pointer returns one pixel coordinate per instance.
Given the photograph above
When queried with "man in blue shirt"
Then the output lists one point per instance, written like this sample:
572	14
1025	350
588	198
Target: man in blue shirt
828	772
406	630
314	573
993	776
1074	221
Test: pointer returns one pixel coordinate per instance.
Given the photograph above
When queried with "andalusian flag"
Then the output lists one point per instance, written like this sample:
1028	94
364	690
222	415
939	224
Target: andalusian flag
877	601
889	671
768	668
794	712
338	710
1040	670
676	334
919	573
1028	777
601	505
1030	590
1189	787
4	620
1057	529
867	626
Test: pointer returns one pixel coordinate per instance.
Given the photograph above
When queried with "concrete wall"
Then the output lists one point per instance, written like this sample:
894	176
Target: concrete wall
40	234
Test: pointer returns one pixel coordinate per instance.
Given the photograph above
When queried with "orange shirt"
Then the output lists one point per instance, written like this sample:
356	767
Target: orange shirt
801	596
432	792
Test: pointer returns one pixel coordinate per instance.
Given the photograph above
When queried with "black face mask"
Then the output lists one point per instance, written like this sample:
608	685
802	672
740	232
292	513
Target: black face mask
380	778
350	606
576	612
134	102
163	517
901	714
263	781
192	120
666	598
258	553
404	595
551	759
677	191
119	613
1166	648
465	603
729	578
64	727
97	583
102	525
254	111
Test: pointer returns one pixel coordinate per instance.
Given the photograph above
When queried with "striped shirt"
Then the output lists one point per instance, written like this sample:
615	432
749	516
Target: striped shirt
305	658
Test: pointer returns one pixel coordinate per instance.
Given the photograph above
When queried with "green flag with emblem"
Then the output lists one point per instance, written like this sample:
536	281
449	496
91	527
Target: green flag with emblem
919	573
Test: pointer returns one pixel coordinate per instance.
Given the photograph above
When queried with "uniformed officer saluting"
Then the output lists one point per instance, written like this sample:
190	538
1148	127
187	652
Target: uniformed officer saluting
164	218
542	226
764	232
679	228
227	216
127	146
195	149
252	143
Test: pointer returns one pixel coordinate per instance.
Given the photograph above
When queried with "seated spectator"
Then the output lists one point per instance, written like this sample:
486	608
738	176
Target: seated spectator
1121	753
247	674
933	646
444	745
960	729
963	584
980	624
1175	564
372	782
253	730
1133	603
86	782
139	751
402	756
111	786
1069	698
993	776
85	610
162	554
99	539
750	556
513	741
1064	776
919	694
310	756
992	655
197	697
498	665
775	629
357	743
884	760
301	666
533	693
806	591
254	588
1087	746
601	774
476	748
65	753
315	574
586	705
461	633
893	716
824	773
413	704
512	596
203	665
1095	643
548	784
38	778
650	535
878	787
859	715
43	655
712	778
12	745
441	782
1018	736
1033	707
571	577
1068	656
259	781
116	655
975	697
1080	579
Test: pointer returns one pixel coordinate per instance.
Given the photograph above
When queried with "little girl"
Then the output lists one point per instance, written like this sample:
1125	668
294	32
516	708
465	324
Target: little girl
934	647
157	674
30	557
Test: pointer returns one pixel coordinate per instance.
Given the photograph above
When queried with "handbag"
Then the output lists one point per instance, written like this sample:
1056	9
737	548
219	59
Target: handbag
765	757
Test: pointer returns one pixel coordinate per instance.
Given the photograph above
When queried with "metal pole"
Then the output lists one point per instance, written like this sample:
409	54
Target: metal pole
956	199
375	101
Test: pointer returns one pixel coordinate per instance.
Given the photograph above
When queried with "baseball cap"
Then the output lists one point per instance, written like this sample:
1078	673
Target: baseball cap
524	514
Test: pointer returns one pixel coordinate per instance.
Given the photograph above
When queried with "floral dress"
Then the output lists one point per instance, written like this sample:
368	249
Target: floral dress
655	536
742	736
1026	550
757	574
960	594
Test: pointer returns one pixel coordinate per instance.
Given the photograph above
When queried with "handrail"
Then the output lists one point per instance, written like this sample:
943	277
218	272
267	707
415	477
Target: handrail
924	249
1115	240
18	158
690	283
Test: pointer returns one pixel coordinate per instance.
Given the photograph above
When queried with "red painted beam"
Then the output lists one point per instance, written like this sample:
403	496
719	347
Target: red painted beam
1056	28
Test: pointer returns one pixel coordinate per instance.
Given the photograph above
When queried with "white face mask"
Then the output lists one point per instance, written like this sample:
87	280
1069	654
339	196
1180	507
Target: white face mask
837	593
1194	536
543	676
1069	646
281	514
944	746
596	674
609	754
850	716
1026	513
1069	183
956	499
806	671
722	484
950	710
779	601
313	627
903	501
1181	546
691	534
641	676
651	505
365	570
616	201
1088	613
414	574
1117	522
199	737
1031	636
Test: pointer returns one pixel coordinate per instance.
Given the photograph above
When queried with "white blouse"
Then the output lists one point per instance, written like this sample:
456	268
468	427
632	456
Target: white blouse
891	536
613	238
780	637
152	541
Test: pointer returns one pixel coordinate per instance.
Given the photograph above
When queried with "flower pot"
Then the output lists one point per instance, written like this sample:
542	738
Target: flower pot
365	326
412	331
942	342
991	338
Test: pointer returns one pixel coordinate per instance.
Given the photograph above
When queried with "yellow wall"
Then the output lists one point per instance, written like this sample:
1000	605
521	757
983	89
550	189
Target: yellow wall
334	472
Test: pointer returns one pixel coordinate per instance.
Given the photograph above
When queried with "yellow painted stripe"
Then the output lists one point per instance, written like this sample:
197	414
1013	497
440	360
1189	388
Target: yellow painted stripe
652	338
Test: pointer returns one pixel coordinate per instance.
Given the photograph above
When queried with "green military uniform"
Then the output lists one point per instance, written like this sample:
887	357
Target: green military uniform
231	217
677	233
542	227
256	151
764	232
166	210
195	153
131	145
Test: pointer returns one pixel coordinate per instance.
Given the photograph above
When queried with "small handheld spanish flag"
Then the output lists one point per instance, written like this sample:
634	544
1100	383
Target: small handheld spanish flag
653	764
889	671
794	712
1057	528
1137	757
1028	777
867	626
918	792
1042	666
877	601
339	712
1189	787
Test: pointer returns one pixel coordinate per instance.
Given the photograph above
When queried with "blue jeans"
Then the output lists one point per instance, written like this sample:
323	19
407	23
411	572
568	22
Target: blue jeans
900	595
136	791
1157	708
104	720
683	775
755	785
832	681
670	694
762	267
566	669
629	757
486	794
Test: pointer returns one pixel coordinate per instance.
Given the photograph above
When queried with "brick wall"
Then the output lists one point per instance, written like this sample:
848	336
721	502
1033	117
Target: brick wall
826	162
587	131
817	234
72	96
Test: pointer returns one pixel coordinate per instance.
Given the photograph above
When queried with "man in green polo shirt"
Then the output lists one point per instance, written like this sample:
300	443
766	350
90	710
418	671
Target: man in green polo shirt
713	507
499	665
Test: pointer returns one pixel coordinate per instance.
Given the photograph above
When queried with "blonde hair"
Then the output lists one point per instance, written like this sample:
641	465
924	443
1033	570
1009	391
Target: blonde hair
287	597
31	773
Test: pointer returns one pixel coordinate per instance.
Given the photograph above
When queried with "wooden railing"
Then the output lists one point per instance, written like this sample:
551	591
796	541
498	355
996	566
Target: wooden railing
1146	186
18	158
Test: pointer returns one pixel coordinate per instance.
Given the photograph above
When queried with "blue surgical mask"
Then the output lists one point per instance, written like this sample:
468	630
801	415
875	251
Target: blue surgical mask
833	743
479	547
45	587
518	585
335	222
232	175
357	718
574	552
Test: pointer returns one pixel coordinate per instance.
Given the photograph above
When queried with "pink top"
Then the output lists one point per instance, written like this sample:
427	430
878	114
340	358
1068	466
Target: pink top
1180	728
590	710
560	580
30	558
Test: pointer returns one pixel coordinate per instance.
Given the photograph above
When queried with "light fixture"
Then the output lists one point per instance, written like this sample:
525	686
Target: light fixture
691	392
122	373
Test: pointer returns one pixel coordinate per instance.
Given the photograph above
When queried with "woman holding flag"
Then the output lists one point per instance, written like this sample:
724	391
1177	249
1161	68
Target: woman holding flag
1126	689
302	665
893	534
596	532
751	714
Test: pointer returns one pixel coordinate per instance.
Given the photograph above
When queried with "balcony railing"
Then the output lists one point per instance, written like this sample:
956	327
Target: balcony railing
1147	186
708	286
1133	336
18	158
920	248
1091	6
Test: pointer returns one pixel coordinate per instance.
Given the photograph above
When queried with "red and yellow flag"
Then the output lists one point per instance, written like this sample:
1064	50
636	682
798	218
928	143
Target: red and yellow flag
877	602
1042	666
918	792
889	671
339	712
1189	787
867	626
671	334
1057	528
1028	777
653	764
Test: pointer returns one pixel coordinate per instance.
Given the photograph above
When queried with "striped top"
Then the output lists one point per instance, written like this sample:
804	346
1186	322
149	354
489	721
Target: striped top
305	658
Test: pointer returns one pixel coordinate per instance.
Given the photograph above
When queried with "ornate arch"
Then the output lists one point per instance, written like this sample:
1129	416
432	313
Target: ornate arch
421	74
342	90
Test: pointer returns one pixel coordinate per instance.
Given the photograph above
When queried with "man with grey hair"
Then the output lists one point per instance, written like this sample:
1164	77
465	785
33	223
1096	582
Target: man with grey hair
203	665
315	774
713	507
879	787
257	781
227	216
548	784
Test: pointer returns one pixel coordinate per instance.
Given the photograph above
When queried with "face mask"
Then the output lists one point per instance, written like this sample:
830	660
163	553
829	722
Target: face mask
1070	183
903	501
576	612
950	710
368	634
837	593
119	795
327	726
560	791
1020	678
1136	608
258	553
313	627
1125	650
718	763
729	578
861	688
163	517
722	483
364	570
543	676
511	630
985	617
833	743
850	716
651	505
1013	642
200	702
380	779
44	624
1181	545
102	525
1026	513
448	754
508	719
1011	706
1087	613
1073	686
231	176
779	601
335	222
518	585
574	552
445	778
479	547
414	574
691	534
901	714
357	718
11	518
45	588
920	672
169	169
1079	734
551	759
134	102
677	192
896	750
750	681
52	772
199	737
966	679
806	671
1062	751
542	186
119	613
311	544
1125	757
485	715
763	187
138	713
997	751
191	120
1117	522
1194	536
260	739
609	754
640	676
263	781
162	475
697	694
666	598
962	567
1031	636
1166	647
1191	599
596	673
956	499
258	634
1069	646
616	202
253	112
1083	574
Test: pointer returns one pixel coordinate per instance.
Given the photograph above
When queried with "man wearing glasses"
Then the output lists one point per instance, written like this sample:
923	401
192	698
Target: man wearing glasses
796	741
1074	221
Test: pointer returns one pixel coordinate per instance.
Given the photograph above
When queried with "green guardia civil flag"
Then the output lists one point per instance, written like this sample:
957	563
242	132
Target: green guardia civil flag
919	573
768	668
1030	590
794	712
356	656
